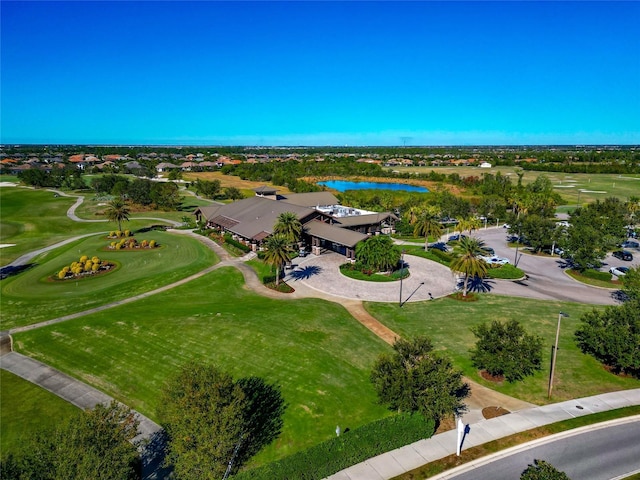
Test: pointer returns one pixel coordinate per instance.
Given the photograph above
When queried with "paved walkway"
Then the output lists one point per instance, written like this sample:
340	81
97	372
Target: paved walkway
409	457
85	397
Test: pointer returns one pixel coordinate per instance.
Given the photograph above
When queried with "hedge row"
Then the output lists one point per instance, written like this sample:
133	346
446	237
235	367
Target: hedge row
348	449
241	246
596	275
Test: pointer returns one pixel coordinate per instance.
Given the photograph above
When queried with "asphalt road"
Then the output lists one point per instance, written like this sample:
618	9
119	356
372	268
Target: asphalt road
547	280
602	454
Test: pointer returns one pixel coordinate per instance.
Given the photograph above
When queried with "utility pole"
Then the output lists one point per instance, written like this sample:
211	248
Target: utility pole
554	352
401	276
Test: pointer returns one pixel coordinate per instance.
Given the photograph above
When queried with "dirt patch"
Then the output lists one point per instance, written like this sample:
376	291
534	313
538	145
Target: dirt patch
493	412
471	297
491	378
446	424
232	181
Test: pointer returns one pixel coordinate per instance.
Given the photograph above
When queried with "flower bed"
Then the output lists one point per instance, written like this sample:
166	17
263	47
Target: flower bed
84	267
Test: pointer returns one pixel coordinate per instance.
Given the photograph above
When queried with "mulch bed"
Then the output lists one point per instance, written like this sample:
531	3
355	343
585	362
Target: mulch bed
491	378
471	297
493	412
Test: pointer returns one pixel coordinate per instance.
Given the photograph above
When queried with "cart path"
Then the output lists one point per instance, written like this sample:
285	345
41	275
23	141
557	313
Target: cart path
480	396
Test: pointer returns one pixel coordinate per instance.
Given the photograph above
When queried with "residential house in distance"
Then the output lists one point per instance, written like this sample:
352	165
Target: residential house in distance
327	225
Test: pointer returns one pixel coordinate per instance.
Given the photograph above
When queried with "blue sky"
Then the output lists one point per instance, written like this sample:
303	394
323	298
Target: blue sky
320	73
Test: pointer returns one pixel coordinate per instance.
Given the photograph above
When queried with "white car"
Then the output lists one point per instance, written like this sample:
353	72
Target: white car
495	260
619	271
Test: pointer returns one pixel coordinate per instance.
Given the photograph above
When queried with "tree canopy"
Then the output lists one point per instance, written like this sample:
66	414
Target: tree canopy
289	226
505	349
612	336
92	445
215	424
415	378
117	211
466	261
277	252
541	470
378	253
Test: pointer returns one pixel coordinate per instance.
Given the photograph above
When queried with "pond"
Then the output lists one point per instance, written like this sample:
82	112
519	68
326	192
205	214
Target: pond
344	185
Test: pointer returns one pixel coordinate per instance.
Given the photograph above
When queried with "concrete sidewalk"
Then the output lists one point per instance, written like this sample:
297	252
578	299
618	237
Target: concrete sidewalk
409	457
85	397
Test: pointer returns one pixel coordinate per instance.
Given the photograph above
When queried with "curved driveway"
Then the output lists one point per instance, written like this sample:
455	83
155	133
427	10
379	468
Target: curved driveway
322	273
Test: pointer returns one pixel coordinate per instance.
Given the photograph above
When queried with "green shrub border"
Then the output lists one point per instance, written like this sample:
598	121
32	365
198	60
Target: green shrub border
506	272
350	448
354	271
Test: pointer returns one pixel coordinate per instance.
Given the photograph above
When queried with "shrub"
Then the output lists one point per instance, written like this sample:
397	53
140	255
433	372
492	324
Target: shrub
83	259
95	259
95	267
62	274
612	336
144	244
352	447
118	246
229	239
127	233
152	244
506	349
597	275
112	233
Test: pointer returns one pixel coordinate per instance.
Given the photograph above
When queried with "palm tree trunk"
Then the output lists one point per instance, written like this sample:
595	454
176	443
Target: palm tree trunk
464	288
426	243
119	224
277	275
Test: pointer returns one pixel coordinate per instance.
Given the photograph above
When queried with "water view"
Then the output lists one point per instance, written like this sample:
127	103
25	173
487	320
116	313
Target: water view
344	185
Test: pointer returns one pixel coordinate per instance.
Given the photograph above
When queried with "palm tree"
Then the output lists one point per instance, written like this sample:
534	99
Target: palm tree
426	223
378	253
469	223
277	253
117	211
289	226
466	260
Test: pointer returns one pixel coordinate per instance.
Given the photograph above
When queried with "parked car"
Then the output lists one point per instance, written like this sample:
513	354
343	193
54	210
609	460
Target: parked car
623	255
495	260
619	271
455	238
440	246
630	244
302	253
490	251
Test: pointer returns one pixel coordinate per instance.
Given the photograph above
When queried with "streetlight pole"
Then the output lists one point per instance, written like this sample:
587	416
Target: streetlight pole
401	276
554	352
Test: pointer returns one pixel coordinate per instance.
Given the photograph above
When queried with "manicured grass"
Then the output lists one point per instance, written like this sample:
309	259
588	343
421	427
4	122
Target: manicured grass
448	323
596	282
347	270
505	272
33	219
32	297
594	186
93	208
25	409
314	349
431	469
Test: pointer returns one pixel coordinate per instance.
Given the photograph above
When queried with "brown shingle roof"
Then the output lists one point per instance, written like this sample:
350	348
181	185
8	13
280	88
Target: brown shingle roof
335	234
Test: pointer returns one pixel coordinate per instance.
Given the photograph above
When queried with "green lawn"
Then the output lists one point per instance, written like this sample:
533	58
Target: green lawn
314	349
26	408
594	186
448	323
93	208
32	297
32	219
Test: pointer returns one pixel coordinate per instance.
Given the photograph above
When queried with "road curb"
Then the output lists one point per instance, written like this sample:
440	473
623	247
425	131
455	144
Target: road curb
533	443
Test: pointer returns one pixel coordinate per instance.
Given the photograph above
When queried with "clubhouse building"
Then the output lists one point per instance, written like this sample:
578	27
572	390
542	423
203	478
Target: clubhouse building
327	225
